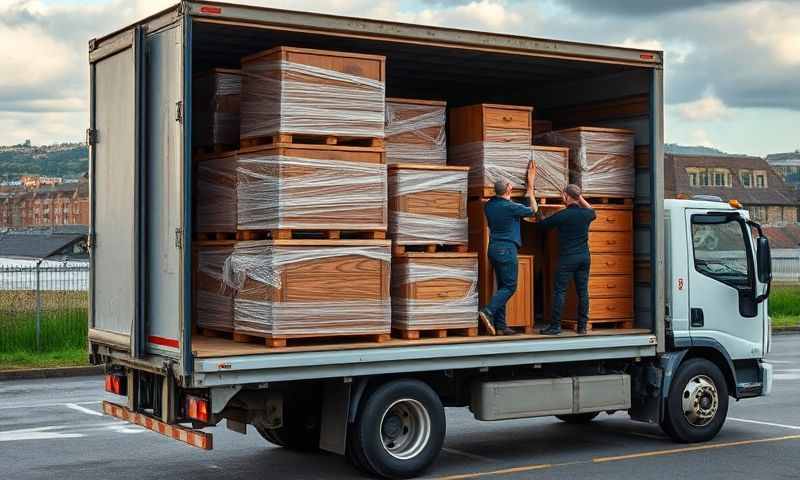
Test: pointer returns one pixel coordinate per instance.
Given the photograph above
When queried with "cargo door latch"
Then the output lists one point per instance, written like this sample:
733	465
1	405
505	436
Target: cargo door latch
179	238
179	112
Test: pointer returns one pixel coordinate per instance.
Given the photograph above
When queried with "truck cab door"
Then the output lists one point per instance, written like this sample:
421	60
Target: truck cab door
723	283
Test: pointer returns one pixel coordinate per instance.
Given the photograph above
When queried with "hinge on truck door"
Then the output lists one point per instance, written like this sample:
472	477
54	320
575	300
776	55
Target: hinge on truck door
91	241
91	136
179	112
178	238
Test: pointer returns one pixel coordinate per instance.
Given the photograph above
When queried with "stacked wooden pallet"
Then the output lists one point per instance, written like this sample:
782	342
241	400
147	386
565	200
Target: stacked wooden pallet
305	196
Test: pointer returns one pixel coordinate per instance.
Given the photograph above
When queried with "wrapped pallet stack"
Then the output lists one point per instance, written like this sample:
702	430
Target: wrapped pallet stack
305	196
415	131
215	105
213	299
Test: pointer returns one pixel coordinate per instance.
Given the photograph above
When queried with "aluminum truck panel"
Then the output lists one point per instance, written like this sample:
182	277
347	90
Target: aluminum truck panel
164	144
115	183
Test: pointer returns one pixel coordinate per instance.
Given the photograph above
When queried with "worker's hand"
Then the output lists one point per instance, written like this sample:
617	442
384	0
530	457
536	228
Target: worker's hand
531	173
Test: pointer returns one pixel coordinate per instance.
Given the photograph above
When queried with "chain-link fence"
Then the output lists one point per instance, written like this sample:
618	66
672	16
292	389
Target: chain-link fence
43	308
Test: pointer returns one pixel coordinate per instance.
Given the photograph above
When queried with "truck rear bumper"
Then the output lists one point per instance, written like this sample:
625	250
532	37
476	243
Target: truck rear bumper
190	436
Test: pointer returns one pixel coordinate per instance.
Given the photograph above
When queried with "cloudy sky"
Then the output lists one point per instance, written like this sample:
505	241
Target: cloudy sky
732	67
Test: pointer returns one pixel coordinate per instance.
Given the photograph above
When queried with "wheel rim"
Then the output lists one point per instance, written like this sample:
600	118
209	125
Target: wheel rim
405	428
700	401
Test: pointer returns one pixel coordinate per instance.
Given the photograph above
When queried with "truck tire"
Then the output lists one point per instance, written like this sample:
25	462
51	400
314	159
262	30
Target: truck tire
578	418
697	403
399	429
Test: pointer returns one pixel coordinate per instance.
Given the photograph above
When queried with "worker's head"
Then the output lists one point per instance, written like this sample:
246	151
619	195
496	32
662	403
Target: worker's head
571	194
502	187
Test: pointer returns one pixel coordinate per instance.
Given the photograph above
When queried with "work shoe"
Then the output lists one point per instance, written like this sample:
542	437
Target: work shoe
507	331
581	330
551	330
487	320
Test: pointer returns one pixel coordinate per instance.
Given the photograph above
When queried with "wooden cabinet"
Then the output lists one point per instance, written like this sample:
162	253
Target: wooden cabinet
495	141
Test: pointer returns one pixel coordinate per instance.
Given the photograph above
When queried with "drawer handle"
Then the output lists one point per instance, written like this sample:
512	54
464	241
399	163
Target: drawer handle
611	285
608	264
611	307
507	118
611	242
610	219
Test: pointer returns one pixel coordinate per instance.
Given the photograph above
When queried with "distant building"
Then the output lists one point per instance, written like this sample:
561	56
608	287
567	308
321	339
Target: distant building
49	205
750	180
29	181
787	165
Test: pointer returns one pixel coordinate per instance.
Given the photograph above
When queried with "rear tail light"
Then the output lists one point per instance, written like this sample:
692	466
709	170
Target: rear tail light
197	408
116	383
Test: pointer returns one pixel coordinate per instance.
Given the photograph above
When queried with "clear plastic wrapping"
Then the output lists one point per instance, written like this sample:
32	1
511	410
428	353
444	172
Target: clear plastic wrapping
217	96
601	160
215	198
279	191
415	133
444	220
503	155
213	299
263	304
552	170
279	96
420	314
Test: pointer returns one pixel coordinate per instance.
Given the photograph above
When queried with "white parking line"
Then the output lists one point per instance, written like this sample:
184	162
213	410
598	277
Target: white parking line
769	424
85	410
467	454
44	405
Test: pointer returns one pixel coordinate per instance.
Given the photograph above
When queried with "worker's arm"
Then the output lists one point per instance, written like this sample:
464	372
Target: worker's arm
529	192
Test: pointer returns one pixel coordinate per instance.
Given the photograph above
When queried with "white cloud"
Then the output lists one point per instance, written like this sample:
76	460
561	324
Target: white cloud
700	137
489	15
707	108
778	31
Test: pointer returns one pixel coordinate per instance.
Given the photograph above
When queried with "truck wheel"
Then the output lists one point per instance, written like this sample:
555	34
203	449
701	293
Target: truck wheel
578	418
399	430
697	403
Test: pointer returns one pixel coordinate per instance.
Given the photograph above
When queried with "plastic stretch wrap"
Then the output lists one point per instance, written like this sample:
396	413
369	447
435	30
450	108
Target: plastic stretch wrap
412	313
600	161
277	191
217	97
415	133
215	201
504	155
286	97
409	228
214	300
254	266
552	171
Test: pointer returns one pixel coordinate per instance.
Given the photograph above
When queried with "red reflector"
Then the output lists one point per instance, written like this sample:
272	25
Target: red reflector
197	408
116	384
211	10
646	56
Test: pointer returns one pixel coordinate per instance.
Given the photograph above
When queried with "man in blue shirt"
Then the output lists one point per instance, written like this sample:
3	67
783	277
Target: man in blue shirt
572	224
503	216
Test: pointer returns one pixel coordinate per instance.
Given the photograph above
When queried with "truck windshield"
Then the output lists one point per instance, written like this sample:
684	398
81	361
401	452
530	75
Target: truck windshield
720	251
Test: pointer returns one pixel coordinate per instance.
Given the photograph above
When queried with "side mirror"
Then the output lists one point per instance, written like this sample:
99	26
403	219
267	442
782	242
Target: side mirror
764	260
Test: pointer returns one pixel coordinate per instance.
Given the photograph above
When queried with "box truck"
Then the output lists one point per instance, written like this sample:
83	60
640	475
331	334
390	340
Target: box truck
701	327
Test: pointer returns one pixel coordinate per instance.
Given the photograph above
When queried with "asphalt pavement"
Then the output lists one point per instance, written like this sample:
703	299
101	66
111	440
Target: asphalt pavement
53	428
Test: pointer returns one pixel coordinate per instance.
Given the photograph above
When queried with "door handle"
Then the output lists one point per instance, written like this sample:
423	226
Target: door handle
697	317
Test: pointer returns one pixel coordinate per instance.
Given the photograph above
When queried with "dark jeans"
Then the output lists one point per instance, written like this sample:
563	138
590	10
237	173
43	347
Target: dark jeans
576	267
503	256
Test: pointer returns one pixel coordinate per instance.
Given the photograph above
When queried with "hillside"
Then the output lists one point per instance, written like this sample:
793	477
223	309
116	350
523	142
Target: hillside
676	149
69	160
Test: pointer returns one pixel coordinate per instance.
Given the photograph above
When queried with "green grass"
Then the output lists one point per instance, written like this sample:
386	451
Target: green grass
784	306
63	358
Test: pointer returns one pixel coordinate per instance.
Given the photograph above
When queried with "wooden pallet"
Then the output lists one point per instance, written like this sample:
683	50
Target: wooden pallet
216	149
608	200
429	248
306	139
434	333
206	236
297	340
300	234
599	324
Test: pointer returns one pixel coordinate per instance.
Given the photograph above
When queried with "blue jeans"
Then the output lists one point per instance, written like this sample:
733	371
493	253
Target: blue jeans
572	267
503	256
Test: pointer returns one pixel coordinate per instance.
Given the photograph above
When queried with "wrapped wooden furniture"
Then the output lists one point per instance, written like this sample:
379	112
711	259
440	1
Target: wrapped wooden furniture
288	289
213	300
415	131
600	161
215	106
435	292
494	141
301	95
552	170
286	187
520	307
427	206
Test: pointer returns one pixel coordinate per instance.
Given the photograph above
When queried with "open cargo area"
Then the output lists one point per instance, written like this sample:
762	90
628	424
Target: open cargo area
327	176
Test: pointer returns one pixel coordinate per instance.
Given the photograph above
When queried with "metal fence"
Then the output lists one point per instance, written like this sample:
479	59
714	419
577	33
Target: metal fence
43	307
786	265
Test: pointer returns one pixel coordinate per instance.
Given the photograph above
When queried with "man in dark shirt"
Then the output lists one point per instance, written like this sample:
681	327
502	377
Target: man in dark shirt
572	224
503	216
